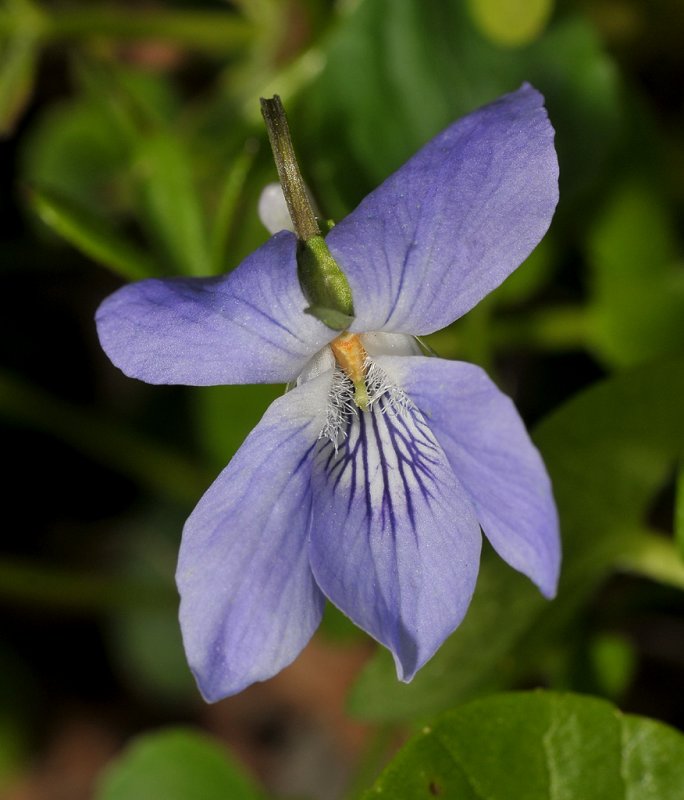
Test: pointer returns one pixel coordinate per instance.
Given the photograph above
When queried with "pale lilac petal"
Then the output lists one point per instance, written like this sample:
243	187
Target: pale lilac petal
244	327
491	452
394	540
453	222
249	602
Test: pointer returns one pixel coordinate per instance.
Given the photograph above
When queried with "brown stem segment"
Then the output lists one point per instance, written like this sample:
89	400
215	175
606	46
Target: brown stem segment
298	204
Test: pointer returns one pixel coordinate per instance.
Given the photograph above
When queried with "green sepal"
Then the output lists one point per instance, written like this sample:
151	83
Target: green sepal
324	284
330	317
325	225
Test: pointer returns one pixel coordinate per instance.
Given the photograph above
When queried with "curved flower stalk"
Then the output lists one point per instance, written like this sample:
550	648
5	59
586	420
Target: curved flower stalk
370	481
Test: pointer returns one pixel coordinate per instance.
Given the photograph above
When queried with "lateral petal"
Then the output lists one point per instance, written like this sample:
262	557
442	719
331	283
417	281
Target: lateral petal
249	602
493	456
245	327
454	221
394	540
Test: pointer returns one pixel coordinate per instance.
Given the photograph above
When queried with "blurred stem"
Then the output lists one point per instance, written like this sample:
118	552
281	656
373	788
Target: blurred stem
48	587
552	329
654	556
478	335
679	508
215	32
148	463
224	218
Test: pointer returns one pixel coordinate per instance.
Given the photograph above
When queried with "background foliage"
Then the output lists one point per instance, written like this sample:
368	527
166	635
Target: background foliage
132	146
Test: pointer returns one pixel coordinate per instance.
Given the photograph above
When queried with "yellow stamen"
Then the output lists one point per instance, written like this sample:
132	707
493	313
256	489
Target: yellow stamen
351	355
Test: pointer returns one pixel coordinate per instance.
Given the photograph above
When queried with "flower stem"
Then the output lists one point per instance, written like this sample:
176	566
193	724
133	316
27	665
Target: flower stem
298	203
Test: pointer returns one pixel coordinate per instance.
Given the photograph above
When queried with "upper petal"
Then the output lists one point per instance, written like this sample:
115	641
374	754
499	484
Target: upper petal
394	540
245	327
249	602
453	222
491	452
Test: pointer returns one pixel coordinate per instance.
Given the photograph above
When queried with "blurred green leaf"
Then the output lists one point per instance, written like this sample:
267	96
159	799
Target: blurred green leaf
226	414
609	451
511	23
17	691
228	203
145	639
530	276
538	746
49	586
679	508
91	235
109	443
637	287
654	556
614	664
401	70
18	63
76	150
173	213
176	764
215	32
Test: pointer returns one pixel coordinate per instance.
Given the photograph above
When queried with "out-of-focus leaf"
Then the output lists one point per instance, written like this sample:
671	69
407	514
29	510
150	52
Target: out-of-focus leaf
176	764
145	639
227	206
614	664
216	32
173	213
511	22
17	689
654	556
609	451
679	508
226	414
74	149
91	235
401	70
538	746
530	276
147	462
637	287
18	62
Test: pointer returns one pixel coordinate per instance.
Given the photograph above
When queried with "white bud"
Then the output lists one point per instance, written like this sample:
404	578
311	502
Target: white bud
273	211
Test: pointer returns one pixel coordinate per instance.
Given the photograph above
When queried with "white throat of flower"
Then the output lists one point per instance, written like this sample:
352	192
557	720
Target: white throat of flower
380	392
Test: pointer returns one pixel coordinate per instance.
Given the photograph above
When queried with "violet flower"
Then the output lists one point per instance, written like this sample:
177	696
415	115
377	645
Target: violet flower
379	510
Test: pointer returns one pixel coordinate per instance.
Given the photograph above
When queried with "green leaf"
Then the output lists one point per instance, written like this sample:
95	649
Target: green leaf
75	149
401	70
175	764
173	213
91	235
538	746
609	451
637	287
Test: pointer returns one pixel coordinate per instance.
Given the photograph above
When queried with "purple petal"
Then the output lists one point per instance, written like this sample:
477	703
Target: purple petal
249	602
244	327
394	540
491	452
453	222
